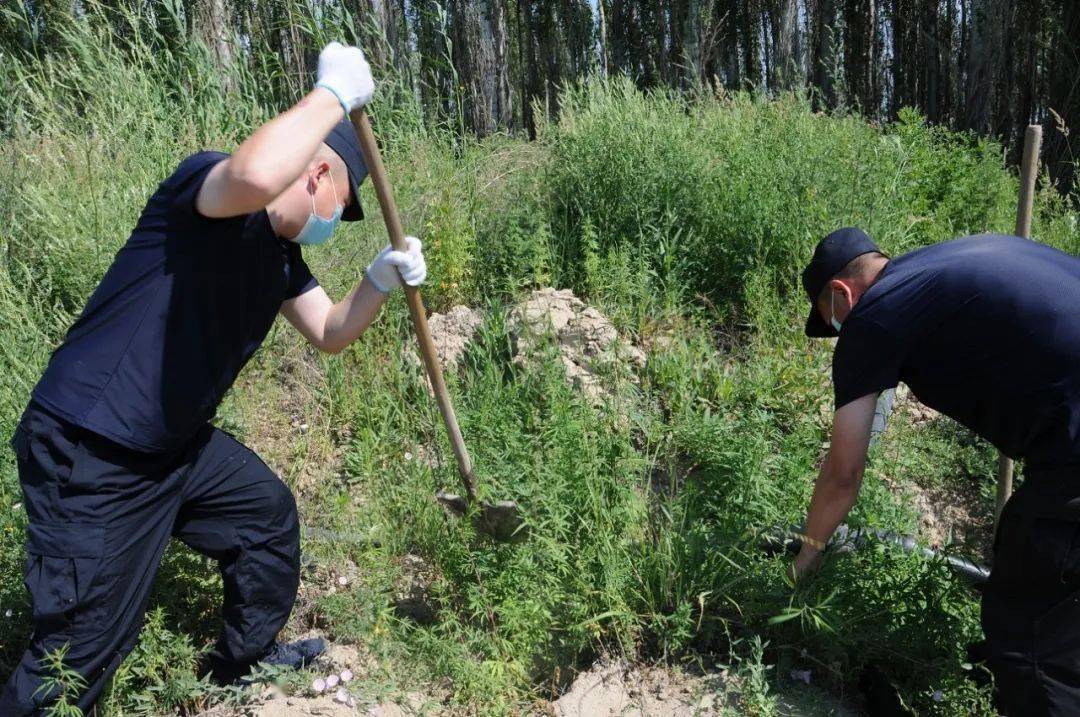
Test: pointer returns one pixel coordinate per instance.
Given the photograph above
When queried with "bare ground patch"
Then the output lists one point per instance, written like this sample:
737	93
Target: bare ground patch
613	688
636	690
281	408
948	513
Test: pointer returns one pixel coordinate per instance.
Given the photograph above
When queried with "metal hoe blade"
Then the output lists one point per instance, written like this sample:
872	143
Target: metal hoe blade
502	520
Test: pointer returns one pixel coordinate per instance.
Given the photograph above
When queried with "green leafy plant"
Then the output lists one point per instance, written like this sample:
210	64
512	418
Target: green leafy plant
61	686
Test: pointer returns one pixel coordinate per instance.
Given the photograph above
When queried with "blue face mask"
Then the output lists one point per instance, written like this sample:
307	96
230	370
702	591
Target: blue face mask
832	311
316	229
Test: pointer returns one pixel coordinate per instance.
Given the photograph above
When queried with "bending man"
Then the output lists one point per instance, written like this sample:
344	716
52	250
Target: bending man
116	452
986	330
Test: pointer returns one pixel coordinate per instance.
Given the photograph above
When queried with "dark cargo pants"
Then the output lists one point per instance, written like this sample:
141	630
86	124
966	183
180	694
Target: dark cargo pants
100	517
1031	604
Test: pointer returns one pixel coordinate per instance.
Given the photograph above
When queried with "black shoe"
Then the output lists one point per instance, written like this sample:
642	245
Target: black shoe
295	655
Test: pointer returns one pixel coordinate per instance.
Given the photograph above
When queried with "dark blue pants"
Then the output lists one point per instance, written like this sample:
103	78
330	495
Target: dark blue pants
100	517
1031	604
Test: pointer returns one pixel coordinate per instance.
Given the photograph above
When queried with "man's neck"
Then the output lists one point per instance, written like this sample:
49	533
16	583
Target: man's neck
876	271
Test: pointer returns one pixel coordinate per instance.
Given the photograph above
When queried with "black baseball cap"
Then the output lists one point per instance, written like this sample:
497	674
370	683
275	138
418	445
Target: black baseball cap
342	139
831	255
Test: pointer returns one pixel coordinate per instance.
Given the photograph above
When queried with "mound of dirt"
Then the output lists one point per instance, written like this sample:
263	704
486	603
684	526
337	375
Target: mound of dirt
341	656
917	412
452	332
339	699
413	704
588	342
629	690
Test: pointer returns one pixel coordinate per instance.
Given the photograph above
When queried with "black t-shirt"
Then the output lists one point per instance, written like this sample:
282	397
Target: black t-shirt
184	305
984	329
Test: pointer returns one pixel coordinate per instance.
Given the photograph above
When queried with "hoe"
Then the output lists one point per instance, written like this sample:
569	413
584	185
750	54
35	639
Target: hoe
501	520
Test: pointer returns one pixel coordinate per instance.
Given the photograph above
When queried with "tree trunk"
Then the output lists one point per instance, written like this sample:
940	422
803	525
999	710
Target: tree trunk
785	39
601	17
931	60
905	58
1063	95
436	87
749	32
389	48
824	52
529	27
946	39
1029	23
1002	123
980	73
504	111
474	63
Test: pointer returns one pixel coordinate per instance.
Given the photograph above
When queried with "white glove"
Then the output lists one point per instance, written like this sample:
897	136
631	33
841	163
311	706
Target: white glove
344	71
390	267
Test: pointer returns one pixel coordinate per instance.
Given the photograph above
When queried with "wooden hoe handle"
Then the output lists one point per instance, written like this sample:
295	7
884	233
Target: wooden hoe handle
377	171
1029	169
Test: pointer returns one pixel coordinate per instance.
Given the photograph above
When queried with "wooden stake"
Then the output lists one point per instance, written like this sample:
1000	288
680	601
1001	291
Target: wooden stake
1029	170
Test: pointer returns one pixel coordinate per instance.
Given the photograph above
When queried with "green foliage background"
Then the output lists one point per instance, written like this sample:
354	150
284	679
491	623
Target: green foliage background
686	218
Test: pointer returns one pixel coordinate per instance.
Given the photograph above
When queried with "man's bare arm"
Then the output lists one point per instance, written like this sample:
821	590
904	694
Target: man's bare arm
841	475
271	159
331	327
279	151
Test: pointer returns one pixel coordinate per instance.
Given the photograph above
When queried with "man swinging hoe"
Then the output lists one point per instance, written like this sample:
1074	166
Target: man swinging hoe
116	453
986	330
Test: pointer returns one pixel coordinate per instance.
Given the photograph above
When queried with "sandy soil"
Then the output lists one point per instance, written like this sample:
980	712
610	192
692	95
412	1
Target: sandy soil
588	343
628	690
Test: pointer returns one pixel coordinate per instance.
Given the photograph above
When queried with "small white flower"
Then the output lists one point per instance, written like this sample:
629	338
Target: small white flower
408	456
319	685
346	675
331	682
342	696
938	696
343	581
16	506
9	613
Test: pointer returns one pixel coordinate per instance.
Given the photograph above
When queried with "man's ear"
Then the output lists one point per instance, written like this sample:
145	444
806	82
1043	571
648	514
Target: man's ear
317	172
846	291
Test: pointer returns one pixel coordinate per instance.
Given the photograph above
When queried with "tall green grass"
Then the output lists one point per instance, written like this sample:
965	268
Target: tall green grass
686	218
720	187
